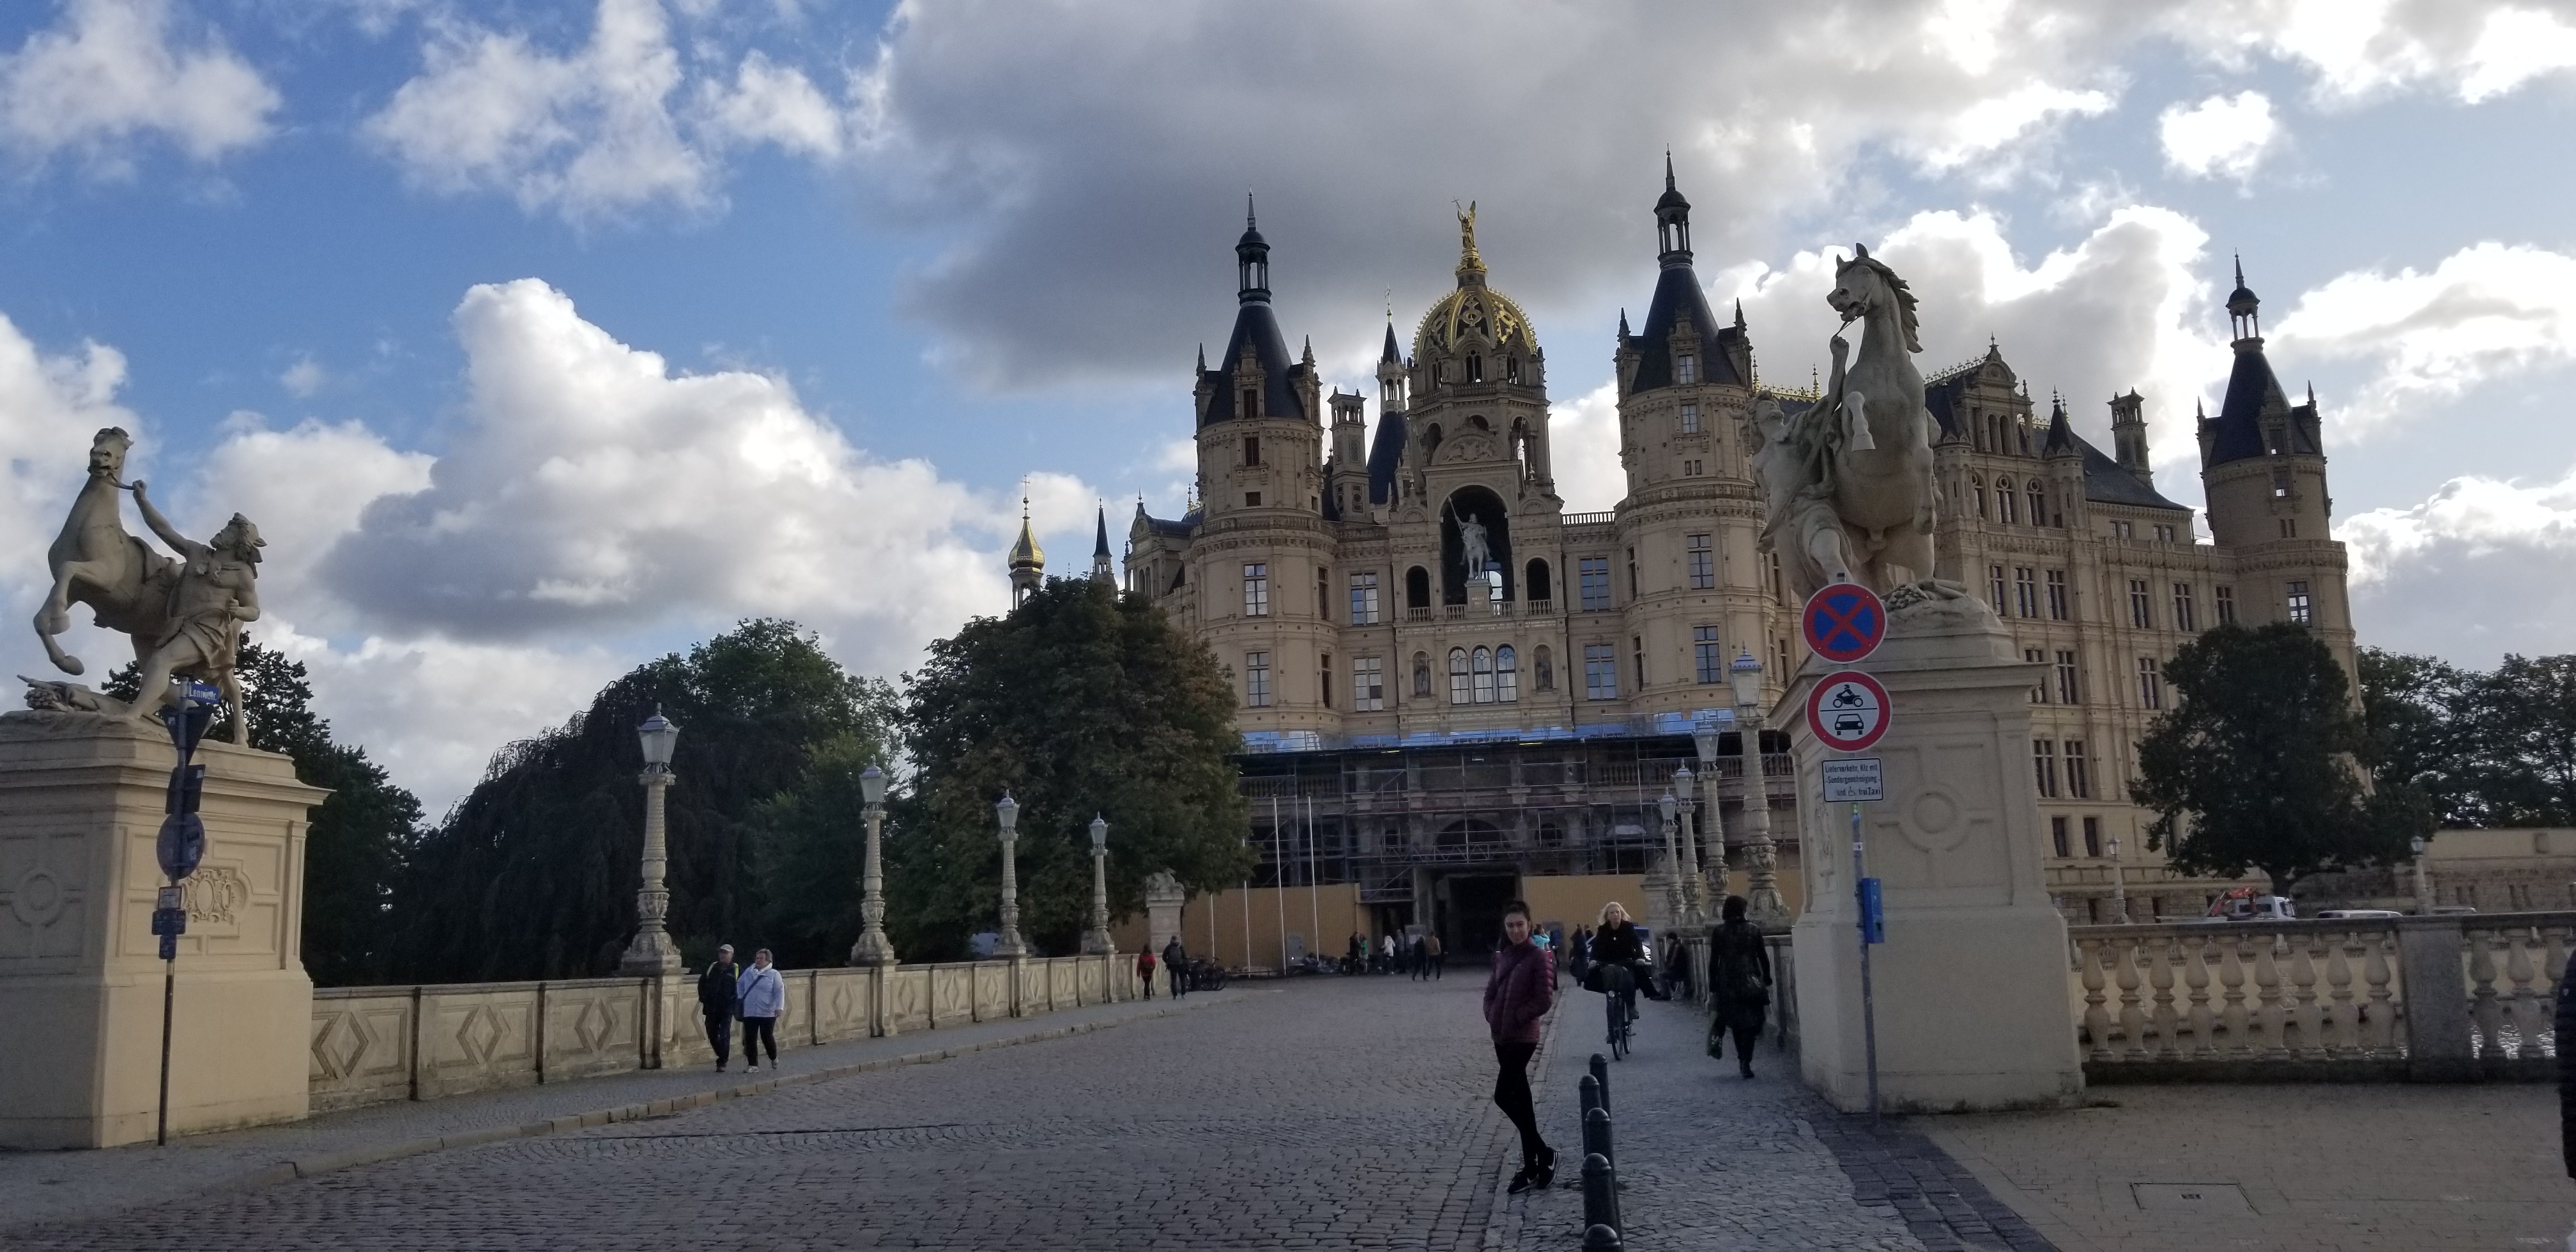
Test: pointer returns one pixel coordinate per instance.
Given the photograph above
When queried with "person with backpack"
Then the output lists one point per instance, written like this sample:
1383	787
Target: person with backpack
717	1000
1176	967
764	997
1438	954
1145	971
1739	965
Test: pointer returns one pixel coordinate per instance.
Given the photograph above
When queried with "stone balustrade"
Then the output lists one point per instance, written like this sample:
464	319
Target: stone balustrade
2441	999
373	1045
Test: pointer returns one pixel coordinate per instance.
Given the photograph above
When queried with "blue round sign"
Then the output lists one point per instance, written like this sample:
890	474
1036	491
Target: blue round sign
1844	622
182	844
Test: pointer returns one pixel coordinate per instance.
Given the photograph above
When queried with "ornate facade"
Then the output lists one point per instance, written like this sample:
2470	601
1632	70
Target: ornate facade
1450	684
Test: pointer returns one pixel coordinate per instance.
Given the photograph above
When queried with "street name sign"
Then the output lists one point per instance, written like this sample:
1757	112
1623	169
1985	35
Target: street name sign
1848	711
1844	622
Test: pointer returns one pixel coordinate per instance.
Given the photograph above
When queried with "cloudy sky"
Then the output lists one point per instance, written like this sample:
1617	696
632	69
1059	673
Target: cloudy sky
541	337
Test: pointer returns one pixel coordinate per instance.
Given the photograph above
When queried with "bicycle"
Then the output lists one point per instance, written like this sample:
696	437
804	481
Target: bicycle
1206	975
1616	985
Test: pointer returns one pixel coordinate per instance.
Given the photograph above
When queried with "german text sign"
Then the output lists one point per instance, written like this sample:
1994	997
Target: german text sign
1853	779
1848	711
1844	622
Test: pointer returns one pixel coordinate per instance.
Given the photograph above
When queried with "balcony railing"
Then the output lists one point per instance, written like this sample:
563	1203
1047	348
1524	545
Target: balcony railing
1589	519
1417	615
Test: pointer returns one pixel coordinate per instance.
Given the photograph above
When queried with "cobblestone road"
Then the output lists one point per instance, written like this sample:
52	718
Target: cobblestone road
1331	1114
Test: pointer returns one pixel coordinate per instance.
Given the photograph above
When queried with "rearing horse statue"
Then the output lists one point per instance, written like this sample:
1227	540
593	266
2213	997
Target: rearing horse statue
95	562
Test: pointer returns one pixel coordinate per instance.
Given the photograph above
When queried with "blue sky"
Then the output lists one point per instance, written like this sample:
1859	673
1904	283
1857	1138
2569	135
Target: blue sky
541	337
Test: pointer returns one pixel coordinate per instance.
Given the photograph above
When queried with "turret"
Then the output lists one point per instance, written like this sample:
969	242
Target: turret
1028	561
2129	433
1260	411
1100	567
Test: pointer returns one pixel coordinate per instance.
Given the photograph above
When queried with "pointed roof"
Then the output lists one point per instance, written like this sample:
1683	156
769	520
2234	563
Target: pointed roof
2242	299
1672	197
1391	354
1026	554
1678	296
2255	404
1254	327
1386	453
2061	440
1100	540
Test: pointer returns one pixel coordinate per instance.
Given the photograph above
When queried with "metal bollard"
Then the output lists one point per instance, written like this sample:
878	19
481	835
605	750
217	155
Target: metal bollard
1587	1096
1600	1194
1601	1239
1596	1134
1601	1071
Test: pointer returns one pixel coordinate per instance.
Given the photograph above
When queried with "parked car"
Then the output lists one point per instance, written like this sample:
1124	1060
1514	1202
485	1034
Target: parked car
2334	915
2242	905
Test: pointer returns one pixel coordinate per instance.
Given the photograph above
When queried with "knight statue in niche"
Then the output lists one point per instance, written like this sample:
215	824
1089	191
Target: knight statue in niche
1849	481
1475	551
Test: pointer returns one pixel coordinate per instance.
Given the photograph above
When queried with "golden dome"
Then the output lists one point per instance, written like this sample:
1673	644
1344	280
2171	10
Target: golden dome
1026	553
1474	309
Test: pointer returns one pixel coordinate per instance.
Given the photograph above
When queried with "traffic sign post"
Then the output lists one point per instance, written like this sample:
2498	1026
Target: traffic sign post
1848	711
179	847
1844	623
1872	931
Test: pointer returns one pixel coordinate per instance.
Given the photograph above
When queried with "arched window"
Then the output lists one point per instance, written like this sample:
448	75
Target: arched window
1507	675
1535	585
1422	675
1543	668
1460	692
2006	511
1980	485
1512	369
2038	504
1417	590
1475	368
1484	676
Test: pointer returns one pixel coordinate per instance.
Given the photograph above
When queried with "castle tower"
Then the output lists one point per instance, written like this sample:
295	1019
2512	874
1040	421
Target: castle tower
1100	567
2263	464
1028	560
2129	433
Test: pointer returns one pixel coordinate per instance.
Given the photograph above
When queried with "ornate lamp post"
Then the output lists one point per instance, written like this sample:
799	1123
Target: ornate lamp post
1762	893
2119	887
1010	946
2423	879
1095	941
1713	832
873	947
1694	888
1671	886
652	951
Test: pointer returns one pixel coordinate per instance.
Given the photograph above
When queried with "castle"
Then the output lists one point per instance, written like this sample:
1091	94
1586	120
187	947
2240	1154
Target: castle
1454	692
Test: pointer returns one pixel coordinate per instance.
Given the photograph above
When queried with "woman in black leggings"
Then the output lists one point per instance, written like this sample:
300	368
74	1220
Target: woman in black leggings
1517	997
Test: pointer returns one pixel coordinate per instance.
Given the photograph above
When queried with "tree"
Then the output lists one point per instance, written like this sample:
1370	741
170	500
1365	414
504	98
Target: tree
534	873
2520	721
1081	702
2257	765
358	837
2416	749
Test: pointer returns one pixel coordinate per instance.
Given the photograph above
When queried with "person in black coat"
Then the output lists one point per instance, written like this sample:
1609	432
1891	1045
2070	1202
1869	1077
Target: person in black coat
1618	943
1176	967
2567	1068
717	999
1739	972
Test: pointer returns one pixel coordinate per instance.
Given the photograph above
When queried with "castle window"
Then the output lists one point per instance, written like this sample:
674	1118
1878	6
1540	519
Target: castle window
1979	485
1251	403
2026	590
1685	369
2092	836
1461	688
2299	612
1256	590
1324	679
1600	672
1691	469
2058	608
2123	530
1543	669
2280	483
1364	607
1475	368
2142	607
1483	666
2167	534
1703	564
1507	675
2151	684
2043	765
2010	513
1995	582
1422	675
2226	604
2182	607
2057	835
2038	504
1707	658
1637	650
2068	692
1368	683
1594	574
2038	690
2079	772
1251	450
2289	528
1774	563
1690	419
1536	585
1632	578
1780	657
1512	370
1417	591
1256	679
1252	499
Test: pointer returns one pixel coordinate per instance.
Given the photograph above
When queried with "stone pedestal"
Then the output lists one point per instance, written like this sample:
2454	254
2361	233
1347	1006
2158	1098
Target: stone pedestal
1973	1007
1163	901
80	975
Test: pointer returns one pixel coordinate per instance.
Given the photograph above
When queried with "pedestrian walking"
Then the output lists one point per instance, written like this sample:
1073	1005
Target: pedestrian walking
1438	954
1176	967
717	1001
1578	952
1390	955
1739	972
764	996
1145	971
1420	959
1517	997
1358	960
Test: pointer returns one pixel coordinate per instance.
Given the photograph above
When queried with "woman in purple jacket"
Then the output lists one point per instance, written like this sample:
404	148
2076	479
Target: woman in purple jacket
1517	995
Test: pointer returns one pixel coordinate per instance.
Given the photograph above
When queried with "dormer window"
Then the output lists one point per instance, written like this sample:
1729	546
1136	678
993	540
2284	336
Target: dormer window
1690	419
1251	403
2280	484
1251	450
1685	369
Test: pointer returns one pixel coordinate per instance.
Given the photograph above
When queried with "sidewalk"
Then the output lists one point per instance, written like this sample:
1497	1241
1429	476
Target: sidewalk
1708	1160
70	1186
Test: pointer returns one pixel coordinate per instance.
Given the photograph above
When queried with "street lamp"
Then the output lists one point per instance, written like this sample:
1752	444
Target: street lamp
1009	945
651	952
872	948
1095	941
1762	893
2423	879
1670	886
1686	792
2119	886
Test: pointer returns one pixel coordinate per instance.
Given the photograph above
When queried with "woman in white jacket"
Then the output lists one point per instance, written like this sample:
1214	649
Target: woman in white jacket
763	995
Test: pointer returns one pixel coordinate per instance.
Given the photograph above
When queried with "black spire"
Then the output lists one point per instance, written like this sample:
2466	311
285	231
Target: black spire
1672	220
1389	355
2241	305
1252	260
1100	538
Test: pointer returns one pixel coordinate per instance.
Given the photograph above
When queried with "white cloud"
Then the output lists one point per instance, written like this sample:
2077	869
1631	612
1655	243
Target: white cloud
594	132
303	378
2484	312
2479	569
2220	137
109	75
2362	49
1583	447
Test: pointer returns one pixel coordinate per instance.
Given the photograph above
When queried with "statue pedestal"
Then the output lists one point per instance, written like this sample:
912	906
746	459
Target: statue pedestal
1163	900
1973	1009
80	973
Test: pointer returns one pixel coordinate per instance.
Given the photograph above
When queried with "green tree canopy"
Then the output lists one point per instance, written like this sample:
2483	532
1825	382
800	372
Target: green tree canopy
2520	724
355	847
2256	766
534	873
1082	701
2418	759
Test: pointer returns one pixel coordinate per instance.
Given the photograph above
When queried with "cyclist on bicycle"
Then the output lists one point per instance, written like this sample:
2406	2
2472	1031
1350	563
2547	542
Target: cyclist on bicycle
1617	943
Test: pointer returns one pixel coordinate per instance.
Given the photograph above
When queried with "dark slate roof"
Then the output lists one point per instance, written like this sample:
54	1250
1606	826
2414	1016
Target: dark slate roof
1100	541
1386	452
1390	356
2061	433
1332	500
1676	293
1177	530
1255	325
2254	399
2106	481
1942	398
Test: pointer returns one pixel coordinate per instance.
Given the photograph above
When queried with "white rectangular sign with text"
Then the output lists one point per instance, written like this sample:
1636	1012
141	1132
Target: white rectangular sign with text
1853	778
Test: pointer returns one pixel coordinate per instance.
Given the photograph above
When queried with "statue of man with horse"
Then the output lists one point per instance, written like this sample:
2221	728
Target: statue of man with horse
184	616
1849	482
